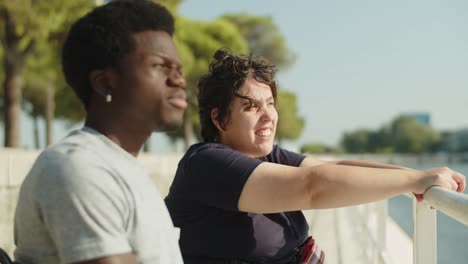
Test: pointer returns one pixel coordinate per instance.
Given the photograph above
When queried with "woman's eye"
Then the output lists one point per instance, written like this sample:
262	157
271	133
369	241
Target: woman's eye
250	107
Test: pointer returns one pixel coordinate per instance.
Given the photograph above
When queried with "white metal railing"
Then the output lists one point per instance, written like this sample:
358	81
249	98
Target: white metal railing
451	203
370	225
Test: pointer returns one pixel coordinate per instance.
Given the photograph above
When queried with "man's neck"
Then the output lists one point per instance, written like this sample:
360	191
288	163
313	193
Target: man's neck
128	137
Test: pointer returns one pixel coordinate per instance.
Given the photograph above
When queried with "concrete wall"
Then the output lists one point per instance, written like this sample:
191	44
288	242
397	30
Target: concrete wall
15	164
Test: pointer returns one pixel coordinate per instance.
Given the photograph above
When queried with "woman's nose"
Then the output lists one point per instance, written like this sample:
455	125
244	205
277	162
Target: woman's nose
268	113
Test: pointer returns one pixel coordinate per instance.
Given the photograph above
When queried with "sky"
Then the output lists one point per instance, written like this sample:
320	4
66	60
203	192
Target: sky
359	63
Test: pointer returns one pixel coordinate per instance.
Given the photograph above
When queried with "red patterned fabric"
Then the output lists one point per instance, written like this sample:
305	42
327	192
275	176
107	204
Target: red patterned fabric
311	253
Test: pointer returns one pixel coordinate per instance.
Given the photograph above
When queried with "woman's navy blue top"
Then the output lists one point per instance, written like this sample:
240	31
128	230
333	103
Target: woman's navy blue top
203	201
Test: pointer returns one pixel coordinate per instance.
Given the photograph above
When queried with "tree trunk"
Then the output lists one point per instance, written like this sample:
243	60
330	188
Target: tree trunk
49	113
36	132
13	60
188	129
12	99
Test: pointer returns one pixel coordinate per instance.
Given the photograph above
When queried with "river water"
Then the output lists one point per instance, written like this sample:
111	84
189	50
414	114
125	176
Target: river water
452	236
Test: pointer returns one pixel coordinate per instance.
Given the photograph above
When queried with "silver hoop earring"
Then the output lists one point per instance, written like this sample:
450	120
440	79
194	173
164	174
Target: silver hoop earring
108	96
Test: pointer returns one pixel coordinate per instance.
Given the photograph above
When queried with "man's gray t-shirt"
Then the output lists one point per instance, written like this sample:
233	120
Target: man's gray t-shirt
85	198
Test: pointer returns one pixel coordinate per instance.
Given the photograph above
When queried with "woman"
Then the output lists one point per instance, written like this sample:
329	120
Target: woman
237	197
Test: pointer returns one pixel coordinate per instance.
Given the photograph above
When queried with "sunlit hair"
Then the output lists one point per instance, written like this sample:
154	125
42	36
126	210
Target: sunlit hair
104	36
218	88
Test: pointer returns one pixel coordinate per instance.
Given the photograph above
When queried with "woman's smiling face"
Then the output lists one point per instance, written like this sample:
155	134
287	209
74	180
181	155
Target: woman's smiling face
251	124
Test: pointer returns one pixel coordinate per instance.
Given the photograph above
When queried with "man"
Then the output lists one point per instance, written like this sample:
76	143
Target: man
86	199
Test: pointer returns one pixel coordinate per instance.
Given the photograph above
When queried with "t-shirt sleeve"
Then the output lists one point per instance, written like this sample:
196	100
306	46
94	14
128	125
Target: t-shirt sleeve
216	176
84	209
285	157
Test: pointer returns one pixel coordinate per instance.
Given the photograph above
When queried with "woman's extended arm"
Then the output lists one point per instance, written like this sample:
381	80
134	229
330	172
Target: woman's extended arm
278	188
309	161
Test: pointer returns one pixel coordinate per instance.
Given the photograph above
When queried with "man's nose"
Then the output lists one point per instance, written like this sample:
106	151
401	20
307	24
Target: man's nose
176	79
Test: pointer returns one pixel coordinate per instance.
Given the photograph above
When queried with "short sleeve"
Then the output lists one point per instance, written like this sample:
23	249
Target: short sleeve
285	157
84	208
216	176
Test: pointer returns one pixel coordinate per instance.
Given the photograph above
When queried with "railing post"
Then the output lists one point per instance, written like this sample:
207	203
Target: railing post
425	234
381	239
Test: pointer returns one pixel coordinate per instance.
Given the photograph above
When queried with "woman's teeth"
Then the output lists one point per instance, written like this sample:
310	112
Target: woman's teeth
263	133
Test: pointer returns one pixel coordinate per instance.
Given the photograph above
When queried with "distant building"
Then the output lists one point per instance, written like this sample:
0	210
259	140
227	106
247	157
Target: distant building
423	118
459	140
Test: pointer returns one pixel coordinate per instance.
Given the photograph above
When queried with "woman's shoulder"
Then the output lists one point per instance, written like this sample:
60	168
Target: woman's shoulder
283	156
202	147
207	150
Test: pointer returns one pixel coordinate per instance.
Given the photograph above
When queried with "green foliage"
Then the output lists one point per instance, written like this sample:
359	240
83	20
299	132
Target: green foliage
2	71
42	71
411	136
38	20
68	107
405	134
196	42
33	39
263	37
460	141
2	74
315	148
290	125
202	39
172	5
356	142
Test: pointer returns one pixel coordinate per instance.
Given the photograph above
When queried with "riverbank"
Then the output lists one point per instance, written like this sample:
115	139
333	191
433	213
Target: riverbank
411	160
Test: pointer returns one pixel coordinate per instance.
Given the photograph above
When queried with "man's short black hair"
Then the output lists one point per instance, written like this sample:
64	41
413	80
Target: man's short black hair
101	39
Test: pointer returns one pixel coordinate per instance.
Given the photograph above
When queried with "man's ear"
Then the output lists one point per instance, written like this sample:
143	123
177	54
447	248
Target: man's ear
100	82
214	115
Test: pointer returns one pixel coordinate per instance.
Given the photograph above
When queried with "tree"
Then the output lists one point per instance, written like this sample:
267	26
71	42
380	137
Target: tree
16	47
26	23
357	141
461	140
404	134
263	37
290	125
315	148
43	73
172	5
1	81
411	136
68	107
197	41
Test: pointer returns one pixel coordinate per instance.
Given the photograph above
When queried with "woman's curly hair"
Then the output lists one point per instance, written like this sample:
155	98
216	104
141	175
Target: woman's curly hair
218	88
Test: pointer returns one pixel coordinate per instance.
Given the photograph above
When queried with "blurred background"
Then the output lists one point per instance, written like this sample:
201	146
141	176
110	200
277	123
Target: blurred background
381	80
355	76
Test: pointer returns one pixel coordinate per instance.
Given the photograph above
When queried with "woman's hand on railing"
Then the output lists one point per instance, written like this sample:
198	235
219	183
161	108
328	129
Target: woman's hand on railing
443	177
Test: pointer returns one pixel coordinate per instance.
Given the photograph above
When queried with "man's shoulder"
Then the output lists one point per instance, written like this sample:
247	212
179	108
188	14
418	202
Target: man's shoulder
71	158
75	148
